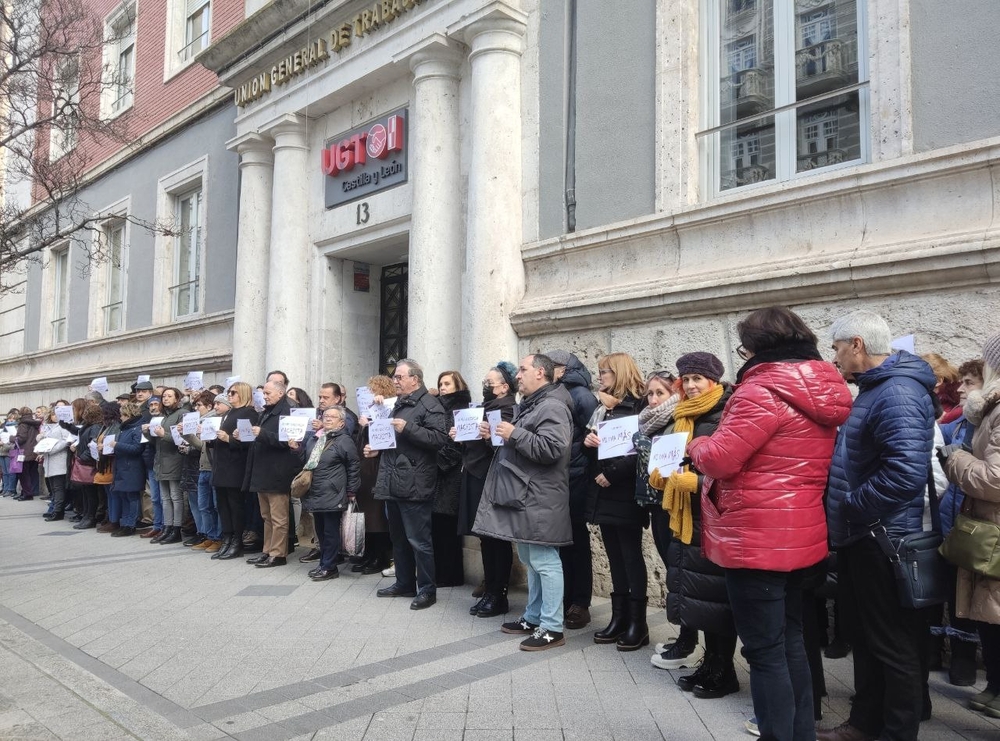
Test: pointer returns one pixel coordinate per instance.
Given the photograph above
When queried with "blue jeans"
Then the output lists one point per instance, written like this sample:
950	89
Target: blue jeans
9	479
328	536
211	527
130	508
192	496
767	607
115	505
545	585
154	496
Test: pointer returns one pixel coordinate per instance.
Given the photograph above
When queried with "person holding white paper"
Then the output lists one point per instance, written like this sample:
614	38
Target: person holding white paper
129	470
55	463
167	466
229	467
454	395
26	437
378	545
477	455
693	582
611	505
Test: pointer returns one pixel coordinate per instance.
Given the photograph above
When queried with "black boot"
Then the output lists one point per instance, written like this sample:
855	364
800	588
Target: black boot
688	682
173	536
636	633
962	672
618	621
227	543
85	524
720	680
235	550
493	604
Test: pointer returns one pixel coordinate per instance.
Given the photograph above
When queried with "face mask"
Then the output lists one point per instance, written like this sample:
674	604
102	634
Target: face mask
488	394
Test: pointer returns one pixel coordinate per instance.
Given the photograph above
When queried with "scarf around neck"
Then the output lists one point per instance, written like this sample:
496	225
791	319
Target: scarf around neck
653	419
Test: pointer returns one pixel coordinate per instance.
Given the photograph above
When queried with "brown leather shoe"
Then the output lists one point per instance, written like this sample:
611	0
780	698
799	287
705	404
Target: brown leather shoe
108	527
843	732
150	533
209	546
202	545
577	617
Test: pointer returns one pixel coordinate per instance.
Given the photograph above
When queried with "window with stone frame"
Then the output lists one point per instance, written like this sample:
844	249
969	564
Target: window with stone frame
119	62
113	235
787	89
185	291
197	26
65	119
59	265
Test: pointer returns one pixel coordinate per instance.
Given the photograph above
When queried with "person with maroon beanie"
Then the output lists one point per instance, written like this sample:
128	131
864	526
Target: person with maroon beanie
763	518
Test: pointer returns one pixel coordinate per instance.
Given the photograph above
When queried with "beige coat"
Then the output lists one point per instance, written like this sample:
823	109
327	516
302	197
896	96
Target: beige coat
978	476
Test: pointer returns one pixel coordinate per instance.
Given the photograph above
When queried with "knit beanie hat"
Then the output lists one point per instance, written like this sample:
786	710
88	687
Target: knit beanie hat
702	363
507	372
221	399
991	352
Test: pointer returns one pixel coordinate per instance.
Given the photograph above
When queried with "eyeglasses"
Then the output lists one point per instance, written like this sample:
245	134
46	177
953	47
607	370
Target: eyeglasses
488	385
743	353
398	377
231	393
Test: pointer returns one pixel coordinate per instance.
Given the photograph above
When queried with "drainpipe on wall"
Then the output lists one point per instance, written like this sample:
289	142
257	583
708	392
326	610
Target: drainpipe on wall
570	176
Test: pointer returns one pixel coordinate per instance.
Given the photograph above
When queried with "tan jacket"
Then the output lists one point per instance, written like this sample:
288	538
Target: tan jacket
978	476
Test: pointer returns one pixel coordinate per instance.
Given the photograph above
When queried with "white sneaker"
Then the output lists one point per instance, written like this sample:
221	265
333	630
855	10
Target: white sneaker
751	726
674	657
391	571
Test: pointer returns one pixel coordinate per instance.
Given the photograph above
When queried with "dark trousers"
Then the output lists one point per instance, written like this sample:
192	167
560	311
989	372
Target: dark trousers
90	500
498	558
812	636
229	502
327	526
887	642
449	571
578	568
412	547
989	635
623	544
57	492
767	608
29	479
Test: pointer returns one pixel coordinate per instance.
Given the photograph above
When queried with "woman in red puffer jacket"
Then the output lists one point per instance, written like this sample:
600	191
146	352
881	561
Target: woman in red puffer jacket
763	520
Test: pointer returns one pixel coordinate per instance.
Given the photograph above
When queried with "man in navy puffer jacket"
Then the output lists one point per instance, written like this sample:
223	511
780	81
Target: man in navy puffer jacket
877	476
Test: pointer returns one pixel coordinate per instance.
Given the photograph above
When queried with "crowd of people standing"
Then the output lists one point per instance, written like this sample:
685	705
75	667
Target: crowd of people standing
780	466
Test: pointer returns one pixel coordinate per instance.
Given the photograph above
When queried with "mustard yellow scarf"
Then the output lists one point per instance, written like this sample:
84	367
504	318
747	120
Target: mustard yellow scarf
679	486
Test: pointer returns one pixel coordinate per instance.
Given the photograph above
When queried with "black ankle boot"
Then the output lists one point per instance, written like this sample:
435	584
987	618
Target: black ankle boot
962	672
720	680
173	536
636	633
235	549
227	543
493	604
618	621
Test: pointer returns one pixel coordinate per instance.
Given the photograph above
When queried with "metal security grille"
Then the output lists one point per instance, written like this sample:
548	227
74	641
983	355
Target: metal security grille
392	324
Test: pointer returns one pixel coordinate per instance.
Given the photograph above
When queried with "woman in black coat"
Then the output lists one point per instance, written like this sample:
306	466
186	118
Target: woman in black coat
90	429
477	455
696	588
453	393
229	465
611	505
333	458
26	436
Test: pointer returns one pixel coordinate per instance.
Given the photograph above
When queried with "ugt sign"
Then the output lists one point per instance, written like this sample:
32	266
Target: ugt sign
365	160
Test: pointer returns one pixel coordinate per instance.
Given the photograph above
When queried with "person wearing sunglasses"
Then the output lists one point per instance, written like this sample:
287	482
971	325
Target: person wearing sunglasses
229	464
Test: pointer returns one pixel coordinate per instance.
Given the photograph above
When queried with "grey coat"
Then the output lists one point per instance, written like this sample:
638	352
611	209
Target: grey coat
169	461
526	497
408	472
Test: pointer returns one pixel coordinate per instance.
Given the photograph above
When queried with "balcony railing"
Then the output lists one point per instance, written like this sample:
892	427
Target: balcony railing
184	298
745	176
747	90
821	159
196	45
821	67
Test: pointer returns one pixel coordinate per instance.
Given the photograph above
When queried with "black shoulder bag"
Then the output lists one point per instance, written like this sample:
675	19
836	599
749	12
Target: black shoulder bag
922	575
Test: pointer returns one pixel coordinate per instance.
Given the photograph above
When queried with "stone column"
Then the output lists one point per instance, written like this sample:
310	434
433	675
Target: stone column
252	261
494	271
291	256
437	232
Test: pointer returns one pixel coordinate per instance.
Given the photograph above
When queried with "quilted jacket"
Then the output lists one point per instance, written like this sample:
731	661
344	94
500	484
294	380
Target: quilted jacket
766	467
883	453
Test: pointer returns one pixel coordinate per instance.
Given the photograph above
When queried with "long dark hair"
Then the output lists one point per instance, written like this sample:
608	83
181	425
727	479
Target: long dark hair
773	327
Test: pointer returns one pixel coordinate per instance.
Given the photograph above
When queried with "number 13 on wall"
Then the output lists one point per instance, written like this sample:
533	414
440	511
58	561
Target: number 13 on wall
363	214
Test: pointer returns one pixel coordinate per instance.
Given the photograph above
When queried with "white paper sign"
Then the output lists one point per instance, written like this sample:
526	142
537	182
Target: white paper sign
64	413
141	379
46	429
154	423
189	423
100	385
906	342
467	424
210	428
494	419
4	438
292	428
666	453
258	399
245	429
616	437
365	398
230	381
178	440
308	412
42	446
195	380
383	410
381	434
92	449
107	448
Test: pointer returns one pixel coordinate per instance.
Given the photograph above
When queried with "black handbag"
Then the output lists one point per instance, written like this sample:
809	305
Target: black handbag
922	575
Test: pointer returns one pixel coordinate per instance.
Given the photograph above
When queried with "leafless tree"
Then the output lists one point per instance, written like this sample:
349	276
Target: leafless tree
53	74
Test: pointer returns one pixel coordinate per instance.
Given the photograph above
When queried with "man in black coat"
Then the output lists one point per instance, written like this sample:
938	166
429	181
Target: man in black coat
407	478
271	466
578	577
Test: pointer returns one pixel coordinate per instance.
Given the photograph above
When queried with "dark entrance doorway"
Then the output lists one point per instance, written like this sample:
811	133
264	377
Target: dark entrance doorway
392	317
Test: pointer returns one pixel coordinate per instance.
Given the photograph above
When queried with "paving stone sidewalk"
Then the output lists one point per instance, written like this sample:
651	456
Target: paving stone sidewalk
114	638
